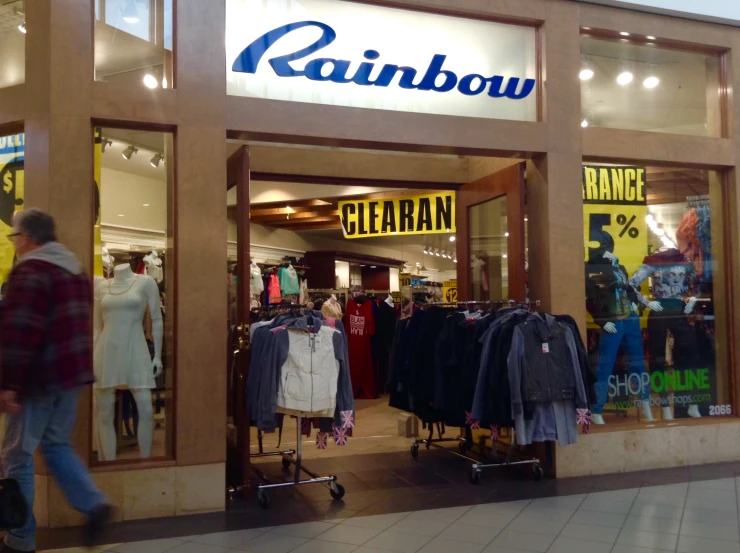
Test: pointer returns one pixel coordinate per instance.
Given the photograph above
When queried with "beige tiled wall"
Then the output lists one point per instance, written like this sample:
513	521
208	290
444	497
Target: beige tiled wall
137	494
643	449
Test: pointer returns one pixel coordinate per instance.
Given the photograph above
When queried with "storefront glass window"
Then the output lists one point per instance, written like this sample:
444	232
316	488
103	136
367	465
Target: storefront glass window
655	293
12	43
133	42
132	359
640	86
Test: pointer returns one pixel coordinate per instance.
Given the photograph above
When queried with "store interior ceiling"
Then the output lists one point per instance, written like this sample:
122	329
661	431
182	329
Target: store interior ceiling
678	104
303	216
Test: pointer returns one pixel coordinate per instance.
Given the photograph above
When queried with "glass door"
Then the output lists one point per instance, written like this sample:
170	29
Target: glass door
490	236
237	176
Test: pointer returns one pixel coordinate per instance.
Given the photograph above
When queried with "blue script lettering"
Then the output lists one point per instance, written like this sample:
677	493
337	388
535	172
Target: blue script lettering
318	69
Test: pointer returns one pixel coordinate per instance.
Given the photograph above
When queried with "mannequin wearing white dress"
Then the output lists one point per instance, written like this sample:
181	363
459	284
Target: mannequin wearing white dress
121	357
153	266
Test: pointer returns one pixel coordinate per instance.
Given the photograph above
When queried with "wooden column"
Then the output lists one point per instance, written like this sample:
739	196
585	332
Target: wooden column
200	233
554	204
59	142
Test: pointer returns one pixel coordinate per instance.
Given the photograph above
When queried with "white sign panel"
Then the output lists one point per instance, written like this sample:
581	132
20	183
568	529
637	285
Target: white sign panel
348	54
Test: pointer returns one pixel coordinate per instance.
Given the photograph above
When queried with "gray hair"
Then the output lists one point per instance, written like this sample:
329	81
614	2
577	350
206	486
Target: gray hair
37	224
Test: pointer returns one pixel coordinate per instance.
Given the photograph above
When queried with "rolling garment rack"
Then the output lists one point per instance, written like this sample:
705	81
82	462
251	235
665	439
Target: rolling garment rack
290	457
465	441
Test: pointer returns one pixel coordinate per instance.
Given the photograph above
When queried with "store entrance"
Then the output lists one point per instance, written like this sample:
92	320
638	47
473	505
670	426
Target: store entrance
358	228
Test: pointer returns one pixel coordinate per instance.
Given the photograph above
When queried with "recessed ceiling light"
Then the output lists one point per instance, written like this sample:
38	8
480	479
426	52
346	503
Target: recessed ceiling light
120	214
506	234
373	267
452	238
624	33
625	78
586	74
649	37
150	81
505	256
651	82
130	13
584	123
145	205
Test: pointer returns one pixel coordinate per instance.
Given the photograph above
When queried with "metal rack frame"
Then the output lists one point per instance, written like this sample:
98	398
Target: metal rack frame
477	466
336	490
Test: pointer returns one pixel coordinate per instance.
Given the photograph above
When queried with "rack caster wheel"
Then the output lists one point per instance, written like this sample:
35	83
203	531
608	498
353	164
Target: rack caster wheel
286	463
474	476
336	491
415	450
263	499
537	472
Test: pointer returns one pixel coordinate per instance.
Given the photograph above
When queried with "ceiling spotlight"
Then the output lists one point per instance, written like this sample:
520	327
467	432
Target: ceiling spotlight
164	82
150	81
651	82
104	143
156	159
436	253
505	256
22	27
452	238
506	234
586	74
128	152
584	123
130	13
650	37
625	78
426	250
455	260
624	33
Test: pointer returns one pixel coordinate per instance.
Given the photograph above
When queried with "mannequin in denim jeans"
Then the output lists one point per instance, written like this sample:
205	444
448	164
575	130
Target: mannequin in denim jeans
610	302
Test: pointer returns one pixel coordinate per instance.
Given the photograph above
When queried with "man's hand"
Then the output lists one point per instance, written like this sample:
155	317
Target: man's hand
9	402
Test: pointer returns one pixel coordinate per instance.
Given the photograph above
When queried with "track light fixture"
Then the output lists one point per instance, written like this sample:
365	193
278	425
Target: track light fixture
104	143
22	27
128	152
156	159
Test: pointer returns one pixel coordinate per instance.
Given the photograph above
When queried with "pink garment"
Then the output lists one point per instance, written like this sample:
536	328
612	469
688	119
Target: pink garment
273	288
688	243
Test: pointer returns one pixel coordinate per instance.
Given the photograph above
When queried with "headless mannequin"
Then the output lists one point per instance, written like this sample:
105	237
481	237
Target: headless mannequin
153	266
121	358
631	336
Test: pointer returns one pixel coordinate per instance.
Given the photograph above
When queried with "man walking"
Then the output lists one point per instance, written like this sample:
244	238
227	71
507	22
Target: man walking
45	336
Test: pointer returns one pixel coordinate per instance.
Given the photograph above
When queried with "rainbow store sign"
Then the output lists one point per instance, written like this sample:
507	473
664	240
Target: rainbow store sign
366	56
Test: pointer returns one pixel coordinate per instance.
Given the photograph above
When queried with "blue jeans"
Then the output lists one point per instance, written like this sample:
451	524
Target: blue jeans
46	421
628	330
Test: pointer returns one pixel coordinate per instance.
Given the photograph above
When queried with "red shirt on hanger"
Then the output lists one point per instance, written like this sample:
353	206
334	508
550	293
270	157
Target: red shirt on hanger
360	325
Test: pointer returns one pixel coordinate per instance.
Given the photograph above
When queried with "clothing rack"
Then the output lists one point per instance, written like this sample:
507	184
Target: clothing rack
336	490
465	442
696	201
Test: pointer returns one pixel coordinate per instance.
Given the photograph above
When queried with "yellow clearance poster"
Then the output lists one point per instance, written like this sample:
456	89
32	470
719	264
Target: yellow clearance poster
429	214
614	212
11	197
97	239
449	291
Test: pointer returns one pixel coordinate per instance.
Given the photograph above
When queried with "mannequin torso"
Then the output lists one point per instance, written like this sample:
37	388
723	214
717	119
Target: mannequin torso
121	357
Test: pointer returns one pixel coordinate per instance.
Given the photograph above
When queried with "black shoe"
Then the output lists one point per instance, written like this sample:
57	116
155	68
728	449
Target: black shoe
96	524
5	548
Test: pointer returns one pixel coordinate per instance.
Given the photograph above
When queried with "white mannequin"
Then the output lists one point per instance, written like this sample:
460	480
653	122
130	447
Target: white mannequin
121	357
154	266
256	284
108	260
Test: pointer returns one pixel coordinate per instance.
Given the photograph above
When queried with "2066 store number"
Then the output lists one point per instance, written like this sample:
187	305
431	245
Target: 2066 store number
715	410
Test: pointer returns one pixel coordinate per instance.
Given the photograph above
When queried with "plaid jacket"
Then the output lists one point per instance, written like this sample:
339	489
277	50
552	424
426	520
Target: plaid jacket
45	332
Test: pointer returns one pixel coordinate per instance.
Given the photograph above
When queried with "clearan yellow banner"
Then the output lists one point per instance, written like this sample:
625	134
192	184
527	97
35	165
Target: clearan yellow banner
428	214
12	148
